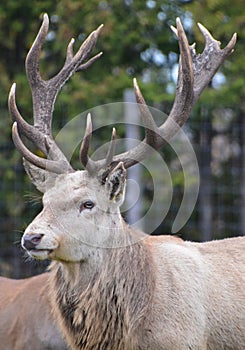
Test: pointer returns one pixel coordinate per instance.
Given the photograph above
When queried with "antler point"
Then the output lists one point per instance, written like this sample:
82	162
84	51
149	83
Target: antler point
179	30
15	132
89	125
135	82
234	39
174	30
12	89
99	29
11	99
205	32
45	20
45	16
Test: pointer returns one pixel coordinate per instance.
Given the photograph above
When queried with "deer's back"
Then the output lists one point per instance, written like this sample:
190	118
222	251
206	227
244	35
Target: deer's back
26	320
199	293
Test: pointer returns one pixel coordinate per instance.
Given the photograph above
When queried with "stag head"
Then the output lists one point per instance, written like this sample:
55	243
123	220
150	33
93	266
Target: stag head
79	214
81	209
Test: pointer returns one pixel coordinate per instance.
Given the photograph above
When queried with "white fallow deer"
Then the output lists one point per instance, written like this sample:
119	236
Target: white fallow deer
26	320
112	287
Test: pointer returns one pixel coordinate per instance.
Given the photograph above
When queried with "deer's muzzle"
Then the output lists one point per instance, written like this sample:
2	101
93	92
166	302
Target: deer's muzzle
31	241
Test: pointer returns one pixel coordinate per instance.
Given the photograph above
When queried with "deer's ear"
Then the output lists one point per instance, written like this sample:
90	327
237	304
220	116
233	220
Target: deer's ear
115	183
41	179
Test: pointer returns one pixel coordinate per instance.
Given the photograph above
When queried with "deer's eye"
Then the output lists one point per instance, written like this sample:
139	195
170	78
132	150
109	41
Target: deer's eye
86	205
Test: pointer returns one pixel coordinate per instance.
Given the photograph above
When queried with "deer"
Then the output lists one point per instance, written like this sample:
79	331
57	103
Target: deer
26	320
111	286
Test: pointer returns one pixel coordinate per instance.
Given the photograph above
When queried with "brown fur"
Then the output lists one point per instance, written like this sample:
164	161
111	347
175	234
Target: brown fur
26	320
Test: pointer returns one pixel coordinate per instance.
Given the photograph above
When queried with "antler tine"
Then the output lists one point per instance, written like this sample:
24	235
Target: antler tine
69	51
87	162
184	92
32	58
86	141
57	167
90	165
89	62
15	114
151	134
112	147
42	107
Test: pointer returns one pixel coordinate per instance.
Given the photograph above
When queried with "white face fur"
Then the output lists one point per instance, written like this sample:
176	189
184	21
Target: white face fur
79	214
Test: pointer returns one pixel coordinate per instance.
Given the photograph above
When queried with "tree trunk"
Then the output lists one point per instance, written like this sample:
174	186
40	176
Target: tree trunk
242	209
205	192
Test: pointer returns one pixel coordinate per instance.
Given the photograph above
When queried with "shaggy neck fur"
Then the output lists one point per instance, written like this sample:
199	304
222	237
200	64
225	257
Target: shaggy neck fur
106	310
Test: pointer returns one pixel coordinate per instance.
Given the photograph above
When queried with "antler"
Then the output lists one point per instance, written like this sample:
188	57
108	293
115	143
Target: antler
44	93
195	72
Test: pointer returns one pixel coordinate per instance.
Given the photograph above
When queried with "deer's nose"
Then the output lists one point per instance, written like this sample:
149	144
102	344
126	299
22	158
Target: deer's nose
30	241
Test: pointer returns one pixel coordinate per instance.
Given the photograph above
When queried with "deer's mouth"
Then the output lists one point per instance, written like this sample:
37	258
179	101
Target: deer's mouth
40	254
37	247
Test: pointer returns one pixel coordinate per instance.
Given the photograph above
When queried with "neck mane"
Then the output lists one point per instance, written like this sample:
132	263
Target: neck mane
104	312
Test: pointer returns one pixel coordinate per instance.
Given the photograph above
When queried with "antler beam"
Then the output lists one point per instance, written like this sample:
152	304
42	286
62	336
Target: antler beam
44	93
195	73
